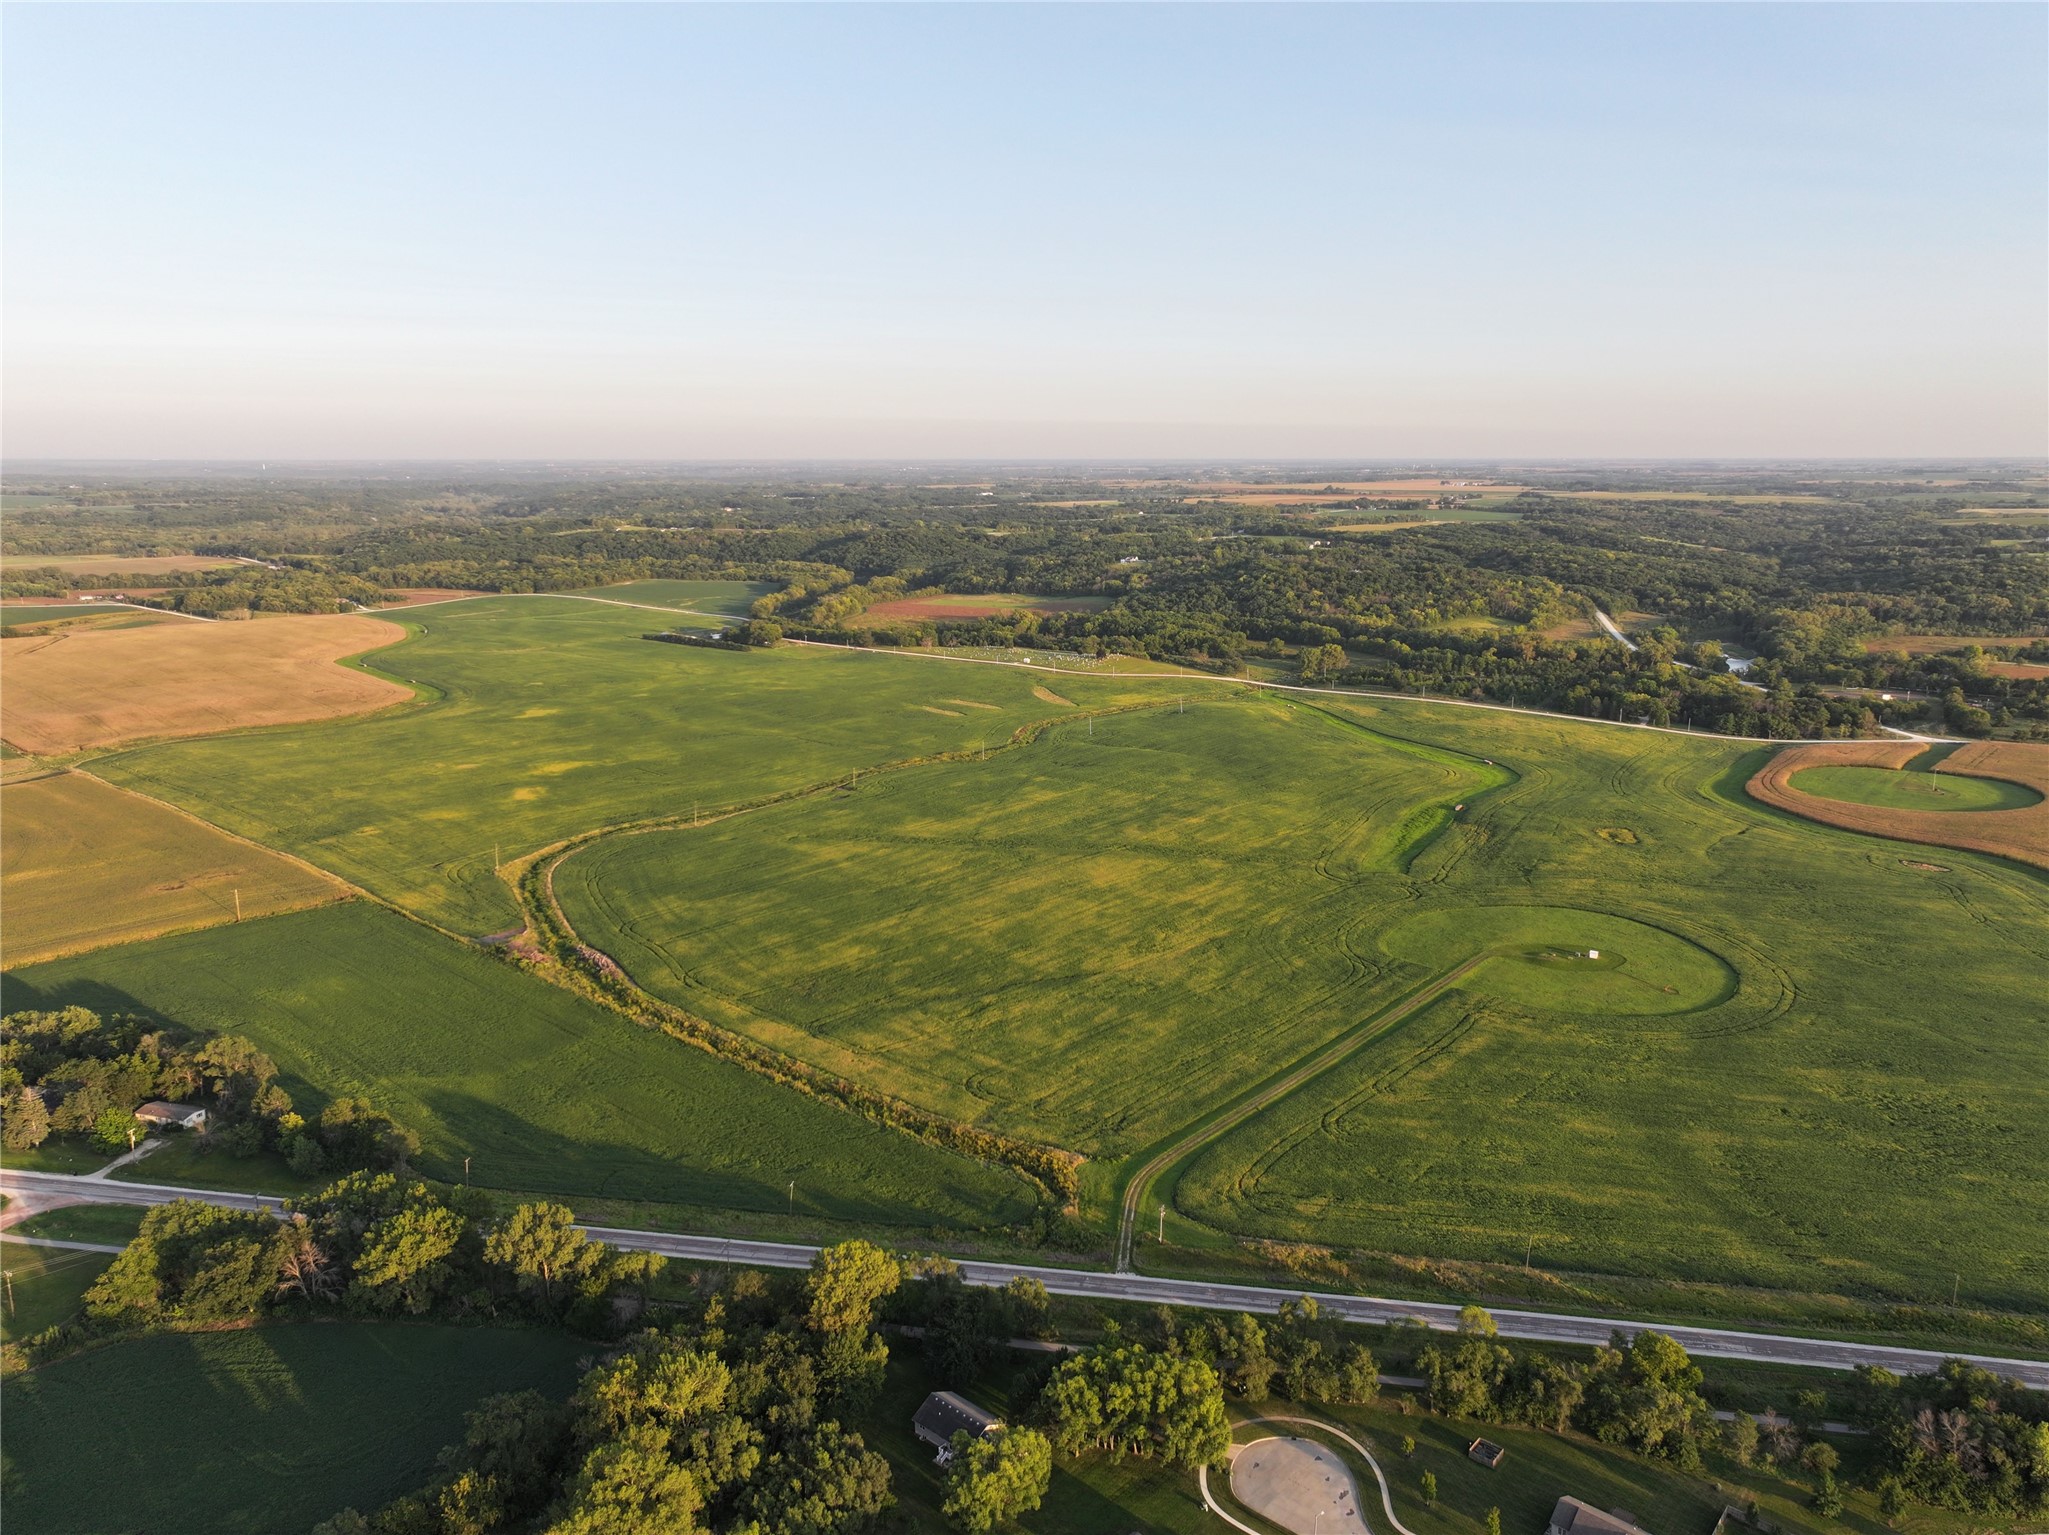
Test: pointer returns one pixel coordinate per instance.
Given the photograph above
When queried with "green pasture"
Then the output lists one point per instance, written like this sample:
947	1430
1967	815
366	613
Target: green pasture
551	717
47	1285
543	1092
1898	789
1092	939
266	1430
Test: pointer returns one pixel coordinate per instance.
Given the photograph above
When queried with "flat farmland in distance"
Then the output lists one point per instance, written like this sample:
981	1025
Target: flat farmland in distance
1097	940
268	1429
553	717
83	864
544	1092
1087	941
101	687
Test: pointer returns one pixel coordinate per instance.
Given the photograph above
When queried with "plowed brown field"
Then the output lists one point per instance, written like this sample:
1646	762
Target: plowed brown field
2018	834
99	687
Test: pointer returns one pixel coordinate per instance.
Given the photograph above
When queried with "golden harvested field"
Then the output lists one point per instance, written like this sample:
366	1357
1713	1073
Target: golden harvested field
113	564
2021	834
1935	644
100	687
84	864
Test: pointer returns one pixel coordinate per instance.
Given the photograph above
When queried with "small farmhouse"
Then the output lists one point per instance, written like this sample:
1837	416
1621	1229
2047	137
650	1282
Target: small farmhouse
1572	1517
944	1415
173	1116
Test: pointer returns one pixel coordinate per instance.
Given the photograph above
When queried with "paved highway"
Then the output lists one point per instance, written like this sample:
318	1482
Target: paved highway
1547	1326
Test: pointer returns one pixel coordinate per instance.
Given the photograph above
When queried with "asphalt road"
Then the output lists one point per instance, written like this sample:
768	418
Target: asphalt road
1546	1326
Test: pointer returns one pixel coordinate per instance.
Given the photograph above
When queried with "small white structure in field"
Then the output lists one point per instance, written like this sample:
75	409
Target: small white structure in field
1593	953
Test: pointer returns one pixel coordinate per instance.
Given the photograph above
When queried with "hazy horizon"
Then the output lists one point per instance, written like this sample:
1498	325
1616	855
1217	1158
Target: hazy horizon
802	234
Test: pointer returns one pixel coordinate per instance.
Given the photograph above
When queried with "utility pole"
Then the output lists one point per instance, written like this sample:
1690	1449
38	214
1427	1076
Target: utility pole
238	904
793	1196
7	1277
465	1172
1163	1225
1528	1248
1956	1282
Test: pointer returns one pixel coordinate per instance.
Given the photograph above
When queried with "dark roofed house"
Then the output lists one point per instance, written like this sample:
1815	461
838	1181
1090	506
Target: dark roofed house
944	1415
1486	1452
1572	1517
178	1116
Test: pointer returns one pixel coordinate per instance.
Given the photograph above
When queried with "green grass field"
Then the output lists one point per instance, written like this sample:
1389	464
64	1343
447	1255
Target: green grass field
86	865
267	1430
48	1285
544	1092
1898	789
1098	940
552	717
116	1224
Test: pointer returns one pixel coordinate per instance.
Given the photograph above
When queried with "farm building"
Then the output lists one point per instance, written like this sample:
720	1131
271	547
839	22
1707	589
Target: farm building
1572	1517
943	1415
1486	1452
174	1116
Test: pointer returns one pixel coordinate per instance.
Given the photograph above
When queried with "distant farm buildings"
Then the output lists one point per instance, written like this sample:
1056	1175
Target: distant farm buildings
172	1116
943	1415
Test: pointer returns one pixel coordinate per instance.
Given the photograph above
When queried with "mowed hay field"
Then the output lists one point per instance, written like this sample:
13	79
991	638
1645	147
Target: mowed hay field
269	1430
2003	783
553	717
544	1092
83	864
1797	1059
1089	940
100	687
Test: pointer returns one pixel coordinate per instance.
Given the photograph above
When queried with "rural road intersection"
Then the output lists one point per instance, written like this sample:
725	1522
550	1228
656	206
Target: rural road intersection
1544	1326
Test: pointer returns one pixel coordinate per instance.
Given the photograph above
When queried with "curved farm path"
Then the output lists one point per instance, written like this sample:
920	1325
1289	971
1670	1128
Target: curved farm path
1386	1497
1375	1025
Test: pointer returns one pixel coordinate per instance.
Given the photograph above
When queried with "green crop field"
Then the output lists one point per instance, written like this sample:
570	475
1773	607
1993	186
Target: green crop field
87	865
1898	789
729	599
552	717
269	1430
544	1092
951	933
1099	939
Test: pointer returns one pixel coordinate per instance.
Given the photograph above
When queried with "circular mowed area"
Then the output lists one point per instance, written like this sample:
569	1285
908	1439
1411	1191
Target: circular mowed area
1297	1483
1560	958
1898	789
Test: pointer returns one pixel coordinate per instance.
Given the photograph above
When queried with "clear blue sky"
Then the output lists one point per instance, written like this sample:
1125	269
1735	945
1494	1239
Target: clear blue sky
601	231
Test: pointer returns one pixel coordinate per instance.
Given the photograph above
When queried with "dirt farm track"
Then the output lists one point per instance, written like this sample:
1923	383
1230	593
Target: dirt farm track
2021	834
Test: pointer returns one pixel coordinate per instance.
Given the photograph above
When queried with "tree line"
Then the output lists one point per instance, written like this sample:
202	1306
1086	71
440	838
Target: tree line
72	1071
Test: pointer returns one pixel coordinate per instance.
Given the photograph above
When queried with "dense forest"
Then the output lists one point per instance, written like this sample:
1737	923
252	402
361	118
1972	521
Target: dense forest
1488	590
